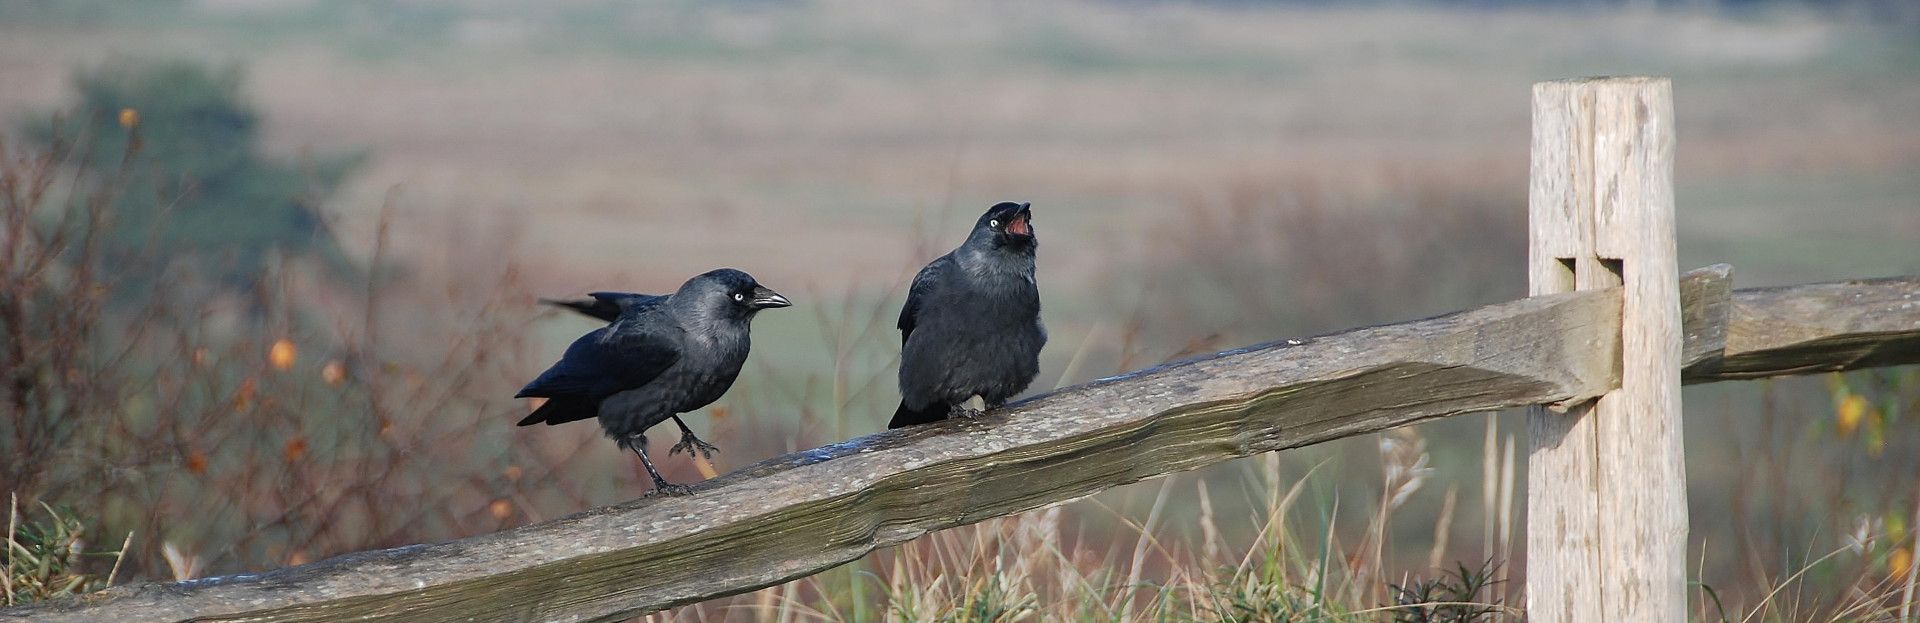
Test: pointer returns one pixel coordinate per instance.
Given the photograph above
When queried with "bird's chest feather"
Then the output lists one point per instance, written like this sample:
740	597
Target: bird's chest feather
1002	292
703	376
991	328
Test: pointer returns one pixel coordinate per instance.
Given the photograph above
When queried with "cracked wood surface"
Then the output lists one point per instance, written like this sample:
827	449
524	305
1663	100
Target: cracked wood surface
798	514
1821	327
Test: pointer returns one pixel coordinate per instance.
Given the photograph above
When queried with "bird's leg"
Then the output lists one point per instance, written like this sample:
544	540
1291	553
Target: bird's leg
690	443
638	443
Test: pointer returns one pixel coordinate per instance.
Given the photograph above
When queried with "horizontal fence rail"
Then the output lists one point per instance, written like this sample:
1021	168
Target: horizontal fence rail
802	513
1823	327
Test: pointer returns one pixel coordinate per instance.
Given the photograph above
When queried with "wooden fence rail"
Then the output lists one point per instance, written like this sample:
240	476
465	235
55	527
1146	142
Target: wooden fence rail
805	512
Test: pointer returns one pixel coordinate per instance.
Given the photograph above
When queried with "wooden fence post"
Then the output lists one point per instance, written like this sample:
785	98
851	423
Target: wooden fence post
1606	479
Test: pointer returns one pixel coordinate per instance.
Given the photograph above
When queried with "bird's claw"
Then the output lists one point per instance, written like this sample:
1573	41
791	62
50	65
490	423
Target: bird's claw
964	411
667	489
690	443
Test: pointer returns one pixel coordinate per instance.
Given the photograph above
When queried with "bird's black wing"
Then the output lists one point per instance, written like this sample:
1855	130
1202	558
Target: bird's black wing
607	361
918	293
608	305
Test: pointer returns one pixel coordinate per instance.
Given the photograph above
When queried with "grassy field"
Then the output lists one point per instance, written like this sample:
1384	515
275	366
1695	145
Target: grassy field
1203	176
624	141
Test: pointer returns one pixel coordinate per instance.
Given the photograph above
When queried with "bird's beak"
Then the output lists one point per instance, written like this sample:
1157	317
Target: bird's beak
764	298
1022	224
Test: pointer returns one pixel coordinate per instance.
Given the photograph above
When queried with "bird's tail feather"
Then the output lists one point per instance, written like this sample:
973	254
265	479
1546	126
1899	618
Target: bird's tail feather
597	308
561	411
905	416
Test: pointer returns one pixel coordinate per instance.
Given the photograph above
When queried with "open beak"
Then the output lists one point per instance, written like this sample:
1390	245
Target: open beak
1022	223
764	298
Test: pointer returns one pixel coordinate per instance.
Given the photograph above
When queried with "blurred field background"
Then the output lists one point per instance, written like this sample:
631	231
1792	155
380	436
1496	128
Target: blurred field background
1204	175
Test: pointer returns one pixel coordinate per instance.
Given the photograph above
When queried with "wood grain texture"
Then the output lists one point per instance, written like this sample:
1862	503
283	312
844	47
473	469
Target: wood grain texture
1642	476
806	512
1562	441
1607	480
1706	299
1824	327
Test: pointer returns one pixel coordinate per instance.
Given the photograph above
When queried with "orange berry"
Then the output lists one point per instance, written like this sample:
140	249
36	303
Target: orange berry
281	355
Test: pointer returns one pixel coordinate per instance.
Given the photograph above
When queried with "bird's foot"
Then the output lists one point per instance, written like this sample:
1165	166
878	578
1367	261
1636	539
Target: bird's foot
964	410
664	489
690	443
661	488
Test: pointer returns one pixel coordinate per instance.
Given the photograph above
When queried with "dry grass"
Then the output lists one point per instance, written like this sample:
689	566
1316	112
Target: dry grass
1036	566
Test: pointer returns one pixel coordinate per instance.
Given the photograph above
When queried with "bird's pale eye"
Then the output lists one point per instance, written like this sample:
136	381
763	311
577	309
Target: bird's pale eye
993	223
739	297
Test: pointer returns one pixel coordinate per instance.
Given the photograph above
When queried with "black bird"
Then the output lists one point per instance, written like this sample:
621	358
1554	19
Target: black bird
971	326
660	356
608	306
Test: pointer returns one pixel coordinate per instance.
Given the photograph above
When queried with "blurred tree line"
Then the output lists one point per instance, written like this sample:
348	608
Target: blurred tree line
183	145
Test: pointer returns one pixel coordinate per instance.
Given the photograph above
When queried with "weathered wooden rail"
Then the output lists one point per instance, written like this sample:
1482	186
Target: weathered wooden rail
1602	242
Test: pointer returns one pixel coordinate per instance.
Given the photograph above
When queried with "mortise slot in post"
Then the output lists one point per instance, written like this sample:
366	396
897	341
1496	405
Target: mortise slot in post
1563	279
1613	265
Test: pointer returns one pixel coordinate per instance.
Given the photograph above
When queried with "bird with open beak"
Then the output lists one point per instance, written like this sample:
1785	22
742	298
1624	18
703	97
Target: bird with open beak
971	324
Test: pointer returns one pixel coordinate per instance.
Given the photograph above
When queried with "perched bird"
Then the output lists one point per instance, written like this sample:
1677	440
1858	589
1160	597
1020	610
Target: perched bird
660	356
971	325
608	306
